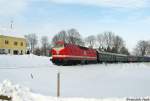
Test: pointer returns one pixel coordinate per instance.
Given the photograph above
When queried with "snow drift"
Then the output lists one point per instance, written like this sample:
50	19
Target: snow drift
20	93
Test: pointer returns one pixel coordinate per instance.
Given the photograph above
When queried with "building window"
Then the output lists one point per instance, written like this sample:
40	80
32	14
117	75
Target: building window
6	42
2	51
21	43
21	52
15	52
9	51
15	43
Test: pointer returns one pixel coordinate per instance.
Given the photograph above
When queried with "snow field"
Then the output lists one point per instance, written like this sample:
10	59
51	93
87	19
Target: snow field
102	81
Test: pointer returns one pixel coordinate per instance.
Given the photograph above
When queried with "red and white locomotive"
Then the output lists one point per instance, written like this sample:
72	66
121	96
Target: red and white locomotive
68	54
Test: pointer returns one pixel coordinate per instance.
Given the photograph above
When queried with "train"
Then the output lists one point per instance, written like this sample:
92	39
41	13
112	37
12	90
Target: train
71	54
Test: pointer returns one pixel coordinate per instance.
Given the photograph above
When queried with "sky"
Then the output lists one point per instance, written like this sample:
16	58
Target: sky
129	19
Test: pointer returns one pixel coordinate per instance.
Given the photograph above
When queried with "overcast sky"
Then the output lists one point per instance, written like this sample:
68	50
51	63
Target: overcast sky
129	19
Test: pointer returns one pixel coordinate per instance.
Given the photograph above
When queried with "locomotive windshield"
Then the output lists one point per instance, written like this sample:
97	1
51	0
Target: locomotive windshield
59	46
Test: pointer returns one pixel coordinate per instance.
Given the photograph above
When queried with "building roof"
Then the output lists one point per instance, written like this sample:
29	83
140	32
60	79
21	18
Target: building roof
12	36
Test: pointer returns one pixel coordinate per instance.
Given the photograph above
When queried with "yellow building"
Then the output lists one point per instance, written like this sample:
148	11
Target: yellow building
12	45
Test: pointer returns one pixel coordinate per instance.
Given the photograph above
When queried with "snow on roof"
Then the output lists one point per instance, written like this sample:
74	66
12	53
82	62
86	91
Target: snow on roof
13	36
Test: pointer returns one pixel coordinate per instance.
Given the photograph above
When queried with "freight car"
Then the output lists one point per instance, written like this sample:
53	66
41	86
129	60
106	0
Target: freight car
70	54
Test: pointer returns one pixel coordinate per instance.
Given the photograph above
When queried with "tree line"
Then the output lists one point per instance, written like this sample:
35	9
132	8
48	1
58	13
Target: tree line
106	42
33	46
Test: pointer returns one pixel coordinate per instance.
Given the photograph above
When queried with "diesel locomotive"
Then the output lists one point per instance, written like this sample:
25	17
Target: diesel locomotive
71	54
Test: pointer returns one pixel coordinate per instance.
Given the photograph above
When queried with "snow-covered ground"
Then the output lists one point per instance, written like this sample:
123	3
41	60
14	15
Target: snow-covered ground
22	61
85	81
21	93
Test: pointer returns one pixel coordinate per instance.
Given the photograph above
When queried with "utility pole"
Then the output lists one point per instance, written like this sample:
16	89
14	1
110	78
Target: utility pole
58	84
11	24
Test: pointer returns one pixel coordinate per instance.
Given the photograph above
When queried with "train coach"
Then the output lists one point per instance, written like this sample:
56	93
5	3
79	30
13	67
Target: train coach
111	57
70	54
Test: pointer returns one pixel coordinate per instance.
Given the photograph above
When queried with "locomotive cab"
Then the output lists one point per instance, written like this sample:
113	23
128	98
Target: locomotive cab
59	45
57	56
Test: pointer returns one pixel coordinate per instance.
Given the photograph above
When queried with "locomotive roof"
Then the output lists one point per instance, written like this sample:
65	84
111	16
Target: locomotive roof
60	42
111	53
82	47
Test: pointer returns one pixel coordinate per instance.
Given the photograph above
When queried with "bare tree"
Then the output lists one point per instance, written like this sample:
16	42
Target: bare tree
108	39
141	48
45	45
148	50
108	49
74	37
32	40
90	40
124	50
118	43
61	36
100	40
37	51
55	39
71	36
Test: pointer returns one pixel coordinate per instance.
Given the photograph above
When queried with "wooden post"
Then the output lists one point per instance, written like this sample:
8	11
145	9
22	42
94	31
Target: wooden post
58	84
